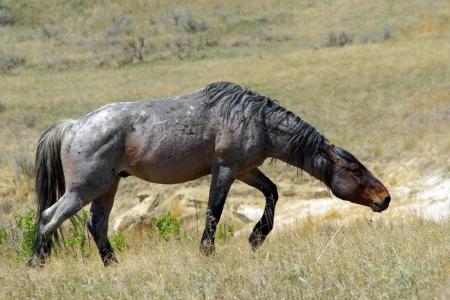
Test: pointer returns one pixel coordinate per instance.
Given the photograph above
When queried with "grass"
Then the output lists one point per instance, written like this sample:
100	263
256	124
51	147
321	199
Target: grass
364	259
385	97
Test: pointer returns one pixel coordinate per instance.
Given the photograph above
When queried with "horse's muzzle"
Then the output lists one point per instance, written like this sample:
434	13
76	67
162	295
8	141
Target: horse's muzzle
377	207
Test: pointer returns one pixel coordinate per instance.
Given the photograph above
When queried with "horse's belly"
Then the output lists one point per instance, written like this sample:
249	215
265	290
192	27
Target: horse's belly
168	172
175	164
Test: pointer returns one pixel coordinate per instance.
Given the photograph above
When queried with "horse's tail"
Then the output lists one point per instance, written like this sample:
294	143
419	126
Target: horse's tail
50	182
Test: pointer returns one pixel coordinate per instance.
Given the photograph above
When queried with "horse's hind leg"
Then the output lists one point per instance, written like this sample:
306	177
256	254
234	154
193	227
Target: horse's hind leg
68	205
258	180
42	245
98	224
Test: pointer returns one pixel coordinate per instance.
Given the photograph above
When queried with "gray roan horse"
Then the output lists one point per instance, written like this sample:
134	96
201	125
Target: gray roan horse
223	130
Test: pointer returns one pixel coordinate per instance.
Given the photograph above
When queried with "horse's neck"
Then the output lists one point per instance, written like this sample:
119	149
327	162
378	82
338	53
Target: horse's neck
279	135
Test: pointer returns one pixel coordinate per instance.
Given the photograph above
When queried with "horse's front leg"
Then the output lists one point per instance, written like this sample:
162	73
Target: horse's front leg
258	180
222	178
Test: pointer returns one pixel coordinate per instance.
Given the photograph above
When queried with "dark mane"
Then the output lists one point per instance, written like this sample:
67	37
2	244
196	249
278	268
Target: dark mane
342	153
305	140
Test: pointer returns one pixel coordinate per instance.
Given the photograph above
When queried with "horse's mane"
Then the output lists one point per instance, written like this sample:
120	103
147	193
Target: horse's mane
305	139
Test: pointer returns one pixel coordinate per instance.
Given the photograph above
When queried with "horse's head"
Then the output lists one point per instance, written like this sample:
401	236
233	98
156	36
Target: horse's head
350	180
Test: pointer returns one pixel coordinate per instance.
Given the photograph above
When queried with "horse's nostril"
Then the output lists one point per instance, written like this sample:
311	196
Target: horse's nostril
387	200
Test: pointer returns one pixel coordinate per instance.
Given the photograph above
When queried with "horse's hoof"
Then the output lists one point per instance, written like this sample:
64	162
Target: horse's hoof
255	241
35	262
110	262
207	249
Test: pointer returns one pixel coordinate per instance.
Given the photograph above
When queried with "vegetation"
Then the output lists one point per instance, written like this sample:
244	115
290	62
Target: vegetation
10	62
372	77
358	259
75	241
26	230
168	226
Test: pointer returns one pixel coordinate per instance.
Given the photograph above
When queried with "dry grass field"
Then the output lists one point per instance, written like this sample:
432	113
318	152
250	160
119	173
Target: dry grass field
372	76
368	260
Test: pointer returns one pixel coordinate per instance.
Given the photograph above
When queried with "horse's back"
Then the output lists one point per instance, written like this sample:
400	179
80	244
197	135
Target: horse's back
167	140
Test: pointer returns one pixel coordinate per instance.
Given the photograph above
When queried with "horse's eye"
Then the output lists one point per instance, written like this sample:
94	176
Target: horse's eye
357	171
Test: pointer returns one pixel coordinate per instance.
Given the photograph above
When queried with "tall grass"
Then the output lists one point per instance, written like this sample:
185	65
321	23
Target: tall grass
365	259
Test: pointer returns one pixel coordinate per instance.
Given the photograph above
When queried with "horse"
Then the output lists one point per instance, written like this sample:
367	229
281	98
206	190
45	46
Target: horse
224	130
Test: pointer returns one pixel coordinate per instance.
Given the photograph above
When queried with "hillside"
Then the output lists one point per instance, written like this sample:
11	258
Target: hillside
372	77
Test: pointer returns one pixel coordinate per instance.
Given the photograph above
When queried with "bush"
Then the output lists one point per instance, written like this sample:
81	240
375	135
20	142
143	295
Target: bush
29	119
6	207
77	238
264	34
168	227
188	22
188	45
388	32
365	38
118	241
2	107
224	231
52	32
24	165
26	226
120	24
340	39
78	235
10	62
3	236
193	25
129	52
59	63
6	16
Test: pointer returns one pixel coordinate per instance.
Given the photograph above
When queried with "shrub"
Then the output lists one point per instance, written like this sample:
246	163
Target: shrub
2	107
3	236
52	32
120	24
10	62
193	25
365	38
281	17
224	231
168	227
6	207
340	39
78	235
24	165
60	63
29	119
264	34
26	226
6	16
187	45
388	32
331	40
177	17
130	52
187	21
118	241
226	16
